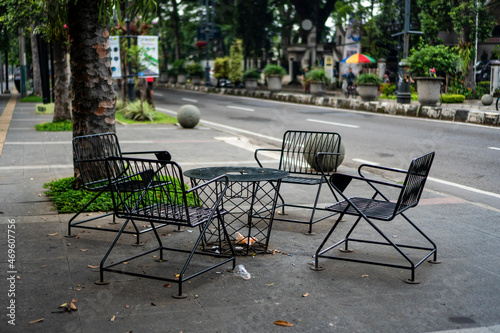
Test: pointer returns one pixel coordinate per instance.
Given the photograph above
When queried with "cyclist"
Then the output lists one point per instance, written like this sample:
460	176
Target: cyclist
349	87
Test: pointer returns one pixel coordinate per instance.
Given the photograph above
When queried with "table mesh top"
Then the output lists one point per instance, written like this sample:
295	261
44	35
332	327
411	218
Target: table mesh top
240	174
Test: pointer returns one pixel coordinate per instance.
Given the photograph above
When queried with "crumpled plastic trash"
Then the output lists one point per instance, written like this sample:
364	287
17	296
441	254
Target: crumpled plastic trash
240	239
240	271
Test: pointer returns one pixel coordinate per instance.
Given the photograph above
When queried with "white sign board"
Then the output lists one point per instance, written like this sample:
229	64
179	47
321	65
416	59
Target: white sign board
149	58
116	66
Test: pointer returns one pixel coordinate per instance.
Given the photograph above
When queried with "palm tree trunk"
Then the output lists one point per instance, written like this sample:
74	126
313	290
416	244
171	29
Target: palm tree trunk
61	100
92	87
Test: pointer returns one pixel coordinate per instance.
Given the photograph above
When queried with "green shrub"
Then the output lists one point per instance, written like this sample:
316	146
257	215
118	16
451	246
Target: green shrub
274	70
424	57
485	84
195	69
221	67
59	126
316	75
452	98
178	67
387	89
236	55
251	73
139	111
368	78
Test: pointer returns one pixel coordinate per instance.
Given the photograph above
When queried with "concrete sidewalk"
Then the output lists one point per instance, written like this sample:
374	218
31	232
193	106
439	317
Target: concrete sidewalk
462	293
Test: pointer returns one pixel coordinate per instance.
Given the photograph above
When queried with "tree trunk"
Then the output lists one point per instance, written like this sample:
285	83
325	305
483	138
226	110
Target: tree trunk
175	22
61	101
92	87
37	80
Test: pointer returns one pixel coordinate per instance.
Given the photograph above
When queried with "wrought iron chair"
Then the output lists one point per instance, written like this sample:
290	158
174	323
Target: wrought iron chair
309	157
90	152
154	192
380	207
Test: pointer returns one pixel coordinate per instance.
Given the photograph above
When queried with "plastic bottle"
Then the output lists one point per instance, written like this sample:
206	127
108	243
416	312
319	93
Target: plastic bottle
241	272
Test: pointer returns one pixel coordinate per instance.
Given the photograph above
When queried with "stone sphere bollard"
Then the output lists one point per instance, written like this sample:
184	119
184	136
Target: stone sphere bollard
188	116
487	99
318	144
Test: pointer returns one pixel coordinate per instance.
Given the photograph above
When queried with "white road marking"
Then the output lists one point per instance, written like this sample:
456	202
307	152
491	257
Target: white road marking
364	161
240	108
494	148
37	167
190	100
332	123
463	187
158	94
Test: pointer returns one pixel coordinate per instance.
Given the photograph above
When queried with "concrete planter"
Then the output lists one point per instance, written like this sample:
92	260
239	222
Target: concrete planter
196	80
368	92
251	84
317	88
428	90
274	83
181	78
172	79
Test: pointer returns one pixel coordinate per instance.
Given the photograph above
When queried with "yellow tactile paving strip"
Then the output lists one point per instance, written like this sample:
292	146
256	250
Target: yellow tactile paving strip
5	119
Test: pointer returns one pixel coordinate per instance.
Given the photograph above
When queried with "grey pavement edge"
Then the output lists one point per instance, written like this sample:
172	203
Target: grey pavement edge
459	295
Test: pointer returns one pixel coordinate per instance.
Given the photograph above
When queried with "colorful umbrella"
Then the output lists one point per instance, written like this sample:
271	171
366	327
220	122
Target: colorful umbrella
359	58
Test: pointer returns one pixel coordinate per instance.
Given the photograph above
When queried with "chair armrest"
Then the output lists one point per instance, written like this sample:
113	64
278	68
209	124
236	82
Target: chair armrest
378	167
263	149
340	181
220	195
161	155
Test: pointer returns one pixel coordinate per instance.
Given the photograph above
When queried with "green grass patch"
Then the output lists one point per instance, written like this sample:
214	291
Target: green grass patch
452	98
45	108
159	118
68	199
60	126
414	97
31	99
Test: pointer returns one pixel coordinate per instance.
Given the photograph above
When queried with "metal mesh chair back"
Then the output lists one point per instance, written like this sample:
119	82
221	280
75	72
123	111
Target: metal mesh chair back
414	182
154	191
90	151
299	149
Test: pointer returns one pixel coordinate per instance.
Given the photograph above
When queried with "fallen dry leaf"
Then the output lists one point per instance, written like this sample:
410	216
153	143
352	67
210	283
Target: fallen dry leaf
112	318
365	275
305	295
127	306
74	300
283	323
153	304
37	321
168	285
55	233
63	305
92	266
45	265
72	306
84	250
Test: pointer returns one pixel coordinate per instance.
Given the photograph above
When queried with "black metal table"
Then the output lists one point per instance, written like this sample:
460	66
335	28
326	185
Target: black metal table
250	201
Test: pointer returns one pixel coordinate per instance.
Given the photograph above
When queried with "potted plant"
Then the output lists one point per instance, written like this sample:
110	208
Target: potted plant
317	81
367	86
178	65
273	74
195	71
425	63
250	78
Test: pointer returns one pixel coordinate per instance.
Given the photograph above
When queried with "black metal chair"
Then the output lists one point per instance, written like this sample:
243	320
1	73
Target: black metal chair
90	152
380	207
309	157
154	192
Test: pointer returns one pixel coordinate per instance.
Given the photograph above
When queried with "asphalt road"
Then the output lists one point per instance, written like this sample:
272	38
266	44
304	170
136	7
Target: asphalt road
467	156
